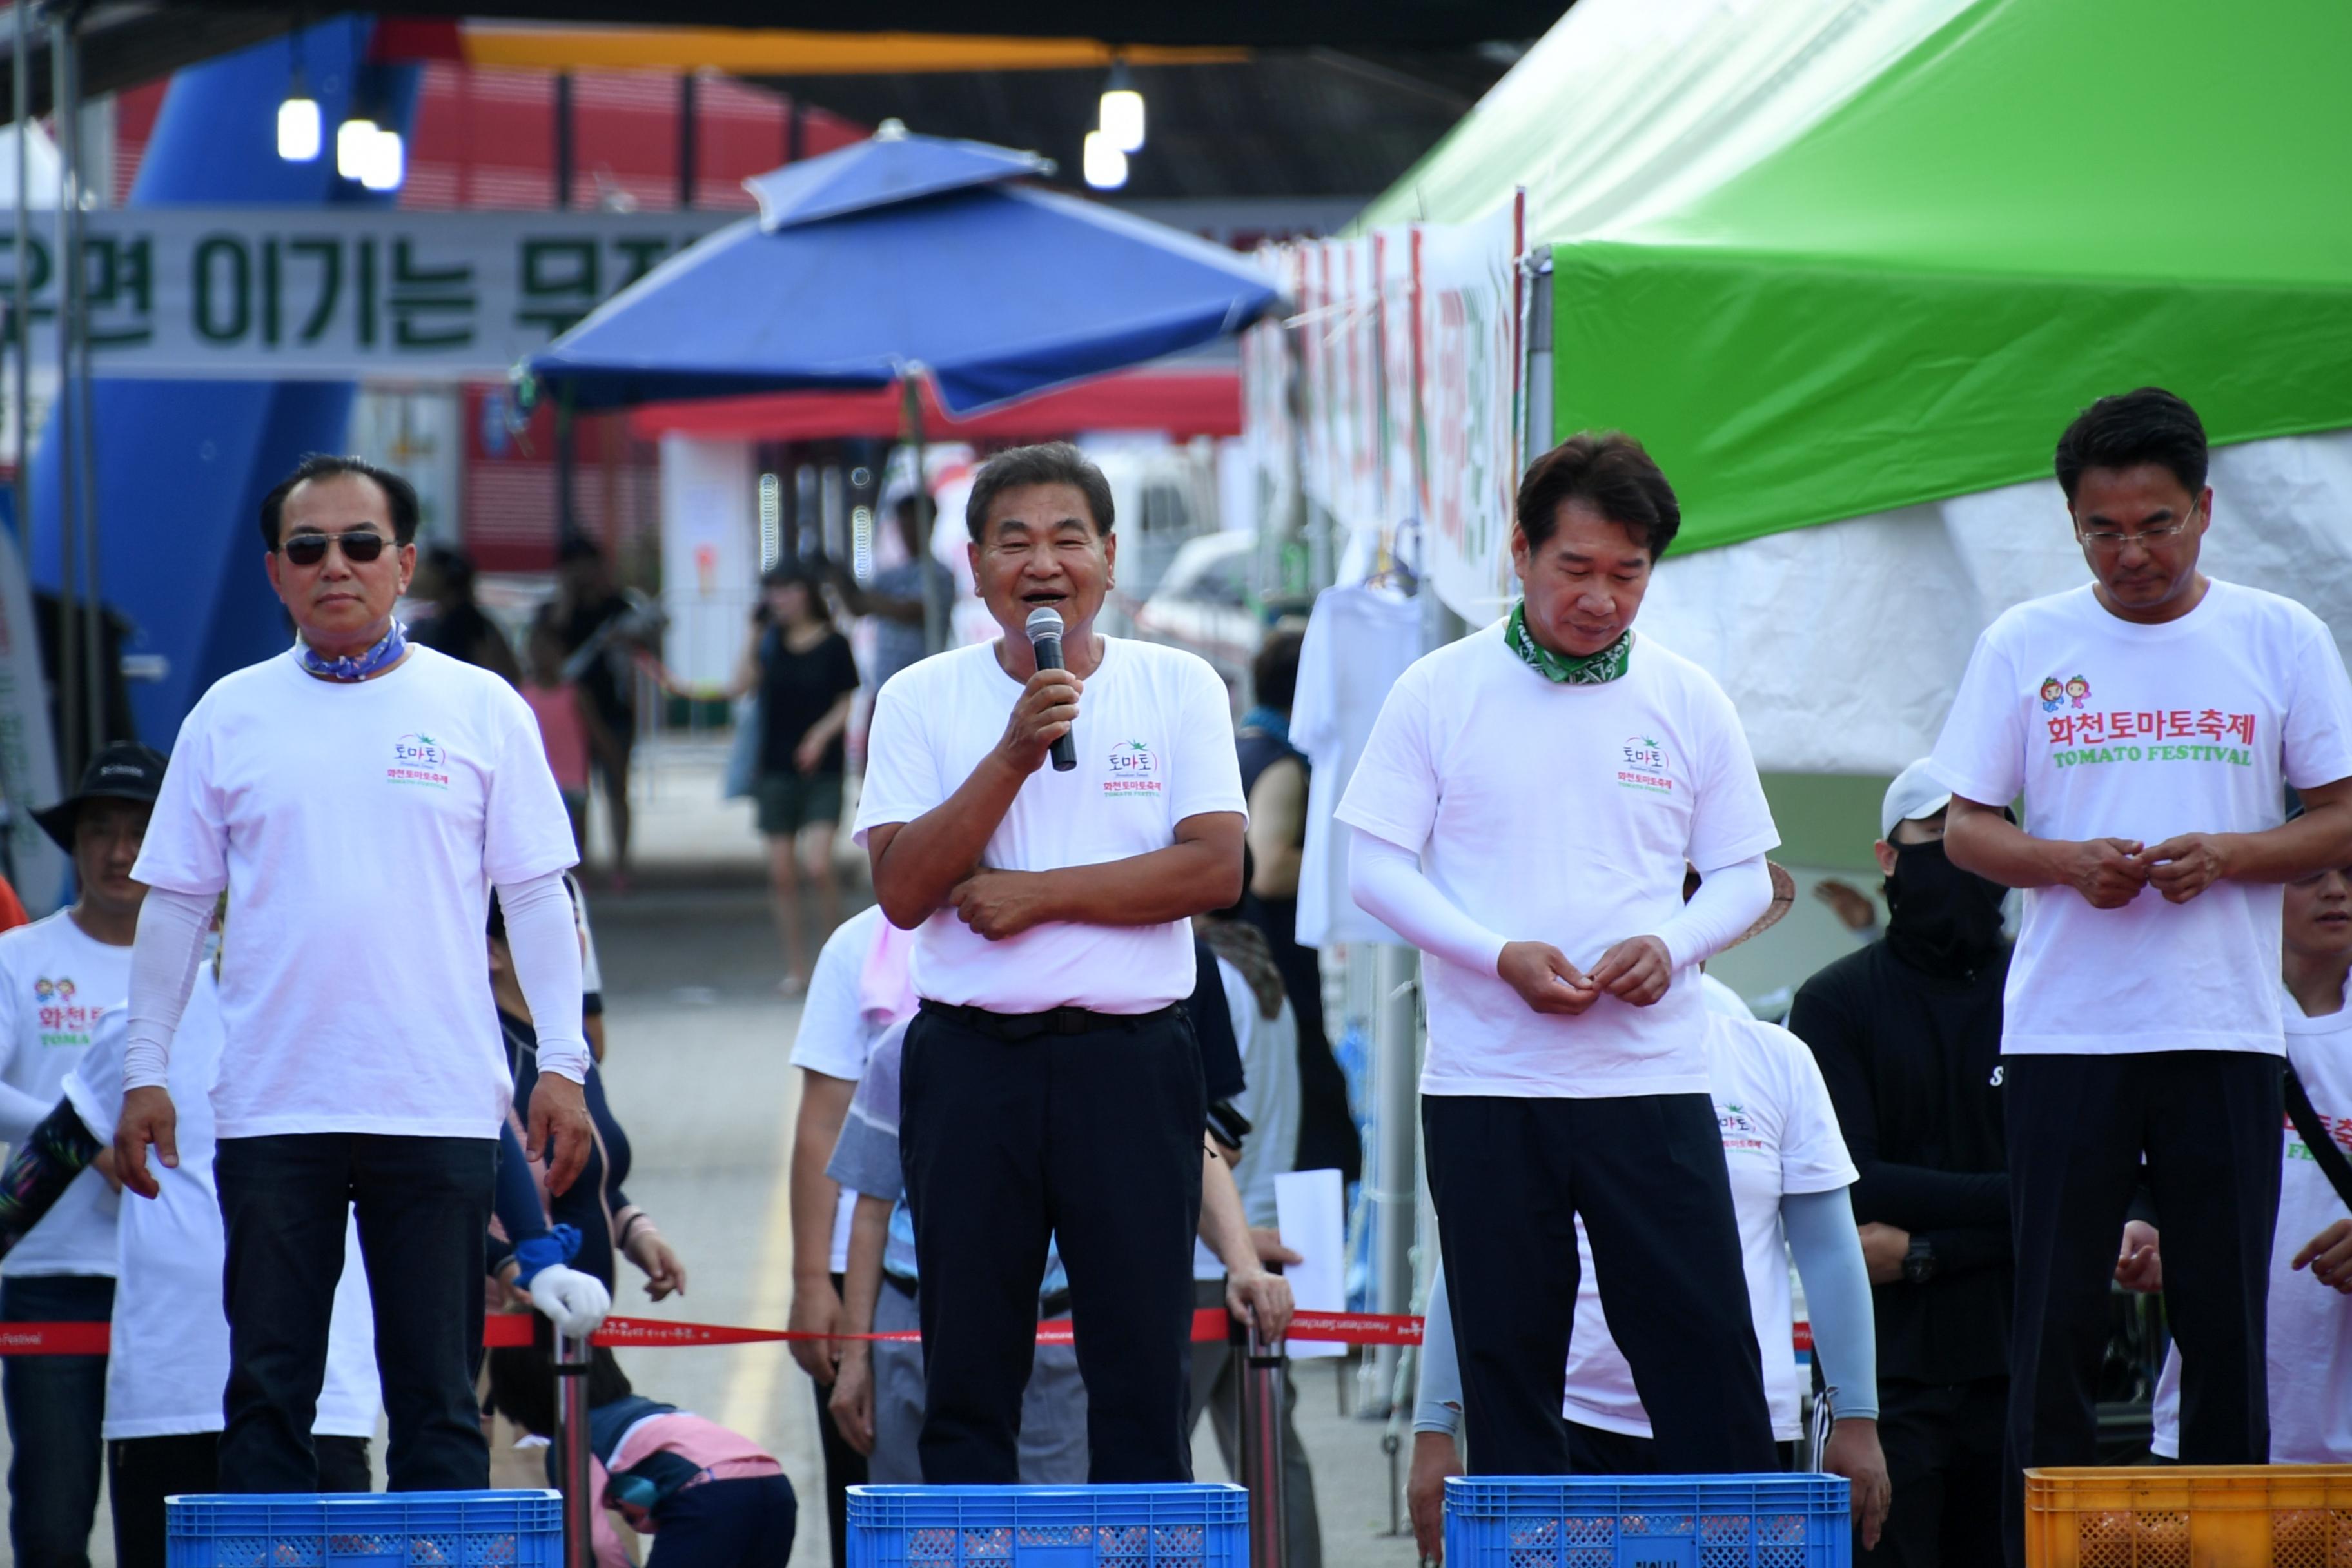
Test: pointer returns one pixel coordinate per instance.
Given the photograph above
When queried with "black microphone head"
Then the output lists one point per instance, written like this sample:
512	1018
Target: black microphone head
1045	621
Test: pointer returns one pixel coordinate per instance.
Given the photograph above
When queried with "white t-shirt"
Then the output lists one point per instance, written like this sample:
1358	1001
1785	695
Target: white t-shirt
1559	814
1155	745
170	1360
2111	729
55	980
359	827
2310	1324
836	1033
1780	1136
1358	641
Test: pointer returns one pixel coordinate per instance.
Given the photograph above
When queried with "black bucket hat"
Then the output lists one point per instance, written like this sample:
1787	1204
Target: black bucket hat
123	771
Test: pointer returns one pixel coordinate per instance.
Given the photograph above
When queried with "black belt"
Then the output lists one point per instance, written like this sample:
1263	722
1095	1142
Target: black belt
1016	1027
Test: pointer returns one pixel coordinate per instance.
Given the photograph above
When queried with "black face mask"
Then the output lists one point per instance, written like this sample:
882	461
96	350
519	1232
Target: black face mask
1941	918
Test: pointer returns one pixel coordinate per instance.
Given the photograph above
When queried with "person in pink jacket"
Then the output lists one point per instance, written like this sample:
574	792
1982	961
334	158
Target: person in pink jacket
705	1496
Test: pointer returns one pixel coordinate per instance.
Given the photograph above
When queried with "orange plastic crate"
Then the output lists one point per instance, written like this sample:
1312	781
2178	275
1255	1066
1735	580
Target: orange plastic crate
2190	1516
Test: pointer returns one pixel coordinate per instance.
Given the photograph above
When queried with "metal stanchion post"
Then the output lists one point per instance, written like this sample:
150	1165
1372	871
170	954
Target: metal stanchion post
571	1439
1263	1386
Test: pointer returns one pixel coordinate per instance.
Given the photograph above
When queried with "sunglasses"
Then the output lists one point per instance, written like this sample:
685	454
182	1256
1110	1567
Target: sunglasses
359	547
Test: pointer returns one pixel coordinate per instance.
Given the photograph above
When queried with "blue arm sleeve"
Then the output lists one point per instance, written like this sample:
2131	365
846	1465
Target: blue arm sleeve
530	1240
1438	1406
1828	1250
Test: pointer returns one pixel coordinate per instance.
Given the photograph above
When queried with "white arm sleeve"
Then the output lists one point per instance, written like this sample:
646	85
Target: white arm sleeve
163	958
1728	901
1388	884
543	935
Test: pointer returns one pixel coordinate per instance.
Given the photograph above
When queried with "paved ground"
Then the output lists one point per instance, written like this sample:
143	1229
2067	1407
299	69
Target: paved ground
698	1072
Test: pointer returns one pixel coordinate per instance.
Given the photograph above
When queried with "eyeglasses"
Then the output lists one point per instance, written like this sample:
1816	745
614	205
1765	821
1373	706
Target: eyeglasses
2114	539
360	546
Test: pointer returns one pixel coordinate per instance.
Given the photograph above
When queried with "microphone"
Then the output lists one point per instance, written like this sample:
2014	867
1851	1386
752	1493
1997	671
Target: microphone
1044	629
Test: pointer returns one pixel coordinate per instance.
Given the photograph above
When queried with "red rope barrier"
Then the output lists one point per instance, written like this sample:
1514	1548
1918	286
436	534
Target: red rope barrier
513	1329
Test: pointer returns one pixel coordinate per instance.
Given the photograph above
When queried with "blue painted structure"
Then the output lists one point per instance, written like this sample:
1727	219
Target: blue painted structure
183	465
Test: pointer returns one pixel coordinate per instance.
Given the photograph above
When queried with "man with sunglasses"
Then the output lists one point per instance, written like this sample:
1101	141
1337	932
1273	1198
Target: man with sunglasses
2142	1027
357	797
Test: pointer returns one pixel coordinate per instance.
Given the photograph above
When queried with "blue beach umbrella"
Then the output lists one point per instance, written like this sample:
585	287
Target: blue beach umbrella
899	256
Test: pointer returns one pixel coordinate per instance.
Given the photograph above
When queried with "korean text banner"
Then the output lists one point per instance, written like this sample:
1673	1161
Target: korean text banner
288	293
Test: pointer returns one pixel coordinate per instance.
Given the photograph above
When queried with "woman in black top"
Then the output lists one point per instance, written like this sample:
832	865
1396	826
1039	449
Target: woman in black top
801	667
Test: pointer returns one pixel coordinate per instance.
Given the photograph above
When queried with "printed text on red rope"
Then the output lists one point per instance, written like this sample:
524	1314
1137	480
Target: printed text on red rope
514	1329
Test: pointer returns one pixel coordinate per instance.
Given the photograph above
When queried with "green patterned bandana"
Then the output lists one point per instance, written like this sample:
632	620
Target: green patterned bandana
1593	669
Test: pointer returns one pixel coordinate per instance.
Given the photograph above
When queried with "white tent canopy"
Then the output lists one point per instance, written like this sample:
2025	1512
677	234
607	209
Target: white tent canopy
1842	645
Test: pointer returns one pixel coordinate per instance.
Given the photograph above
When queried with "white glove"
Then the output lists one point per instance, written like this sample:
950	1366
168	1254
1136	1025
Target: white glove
574	1302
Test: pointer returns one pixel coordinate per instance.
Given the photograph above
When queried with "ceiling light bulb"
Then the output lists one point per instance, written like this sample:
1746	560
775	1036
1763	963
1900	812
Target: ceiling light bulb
1105	163
355	142
1121	117
387	162
298	131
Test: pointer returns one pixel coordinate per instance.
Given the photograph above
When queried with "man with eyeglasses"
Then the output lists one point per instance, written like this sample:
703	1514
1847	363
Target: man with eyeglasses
357	797
2142	1029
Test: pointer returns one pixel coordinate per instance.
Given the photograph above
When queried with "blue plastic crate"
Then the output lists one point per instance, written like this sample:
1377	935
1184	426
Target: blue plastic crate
365	1530
1648	1521
1176	1526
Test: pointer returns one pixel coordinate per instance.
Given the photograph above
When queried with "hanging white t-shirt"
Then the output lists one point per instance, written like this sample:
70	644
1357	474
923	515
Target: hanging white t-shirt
2310	1324
358	827
836	1033
1358	641
1780	1136
169	1346
1155	744
1560	813
55	980
2114	729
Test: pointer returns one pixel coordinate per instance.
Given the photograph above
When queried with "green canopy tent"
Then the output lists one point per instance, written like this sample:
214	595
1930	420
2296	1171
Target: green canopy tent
1828	257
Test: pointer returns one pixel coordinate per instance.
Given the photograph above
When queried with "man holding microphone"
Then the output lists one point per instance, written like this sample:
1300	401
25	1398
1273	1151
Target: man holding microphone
1051	1088
357	799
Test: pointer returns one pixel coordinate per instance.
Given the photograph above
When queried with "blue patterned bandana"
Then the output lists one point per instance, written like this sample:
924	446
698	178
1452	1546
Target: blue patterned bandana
380	658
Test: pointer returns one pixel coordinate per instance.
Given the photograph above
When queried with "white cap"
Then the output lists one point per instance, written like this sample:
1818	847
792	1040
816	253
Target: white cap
1915	792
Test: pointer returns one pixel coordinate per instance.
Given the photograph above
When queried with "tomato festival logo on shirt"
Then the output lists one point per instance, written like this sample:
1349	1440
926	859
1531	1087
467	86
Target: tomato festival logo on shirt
1133	770
1644	766
1739	1133
419	760
63	1021
2080	735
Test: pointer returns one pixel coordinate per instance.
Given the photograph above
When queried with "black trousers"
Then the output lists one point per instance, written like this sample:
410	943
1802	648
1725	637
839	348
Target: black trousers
424	1209
56	1407
845	1467
1943	1447
1093	1140
2207	1124
1646	1172
141	1472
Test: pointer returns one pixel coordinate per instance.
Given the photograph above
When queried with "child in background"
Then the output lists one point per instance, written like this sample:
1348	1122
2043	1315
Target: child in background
707	1496
567	727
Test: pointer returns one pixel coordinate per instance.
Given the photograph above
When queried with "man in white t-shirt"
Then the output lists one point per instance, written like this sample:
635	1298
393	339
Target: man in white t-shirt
57	975
1051	1084
1523	813
358	798
2149	719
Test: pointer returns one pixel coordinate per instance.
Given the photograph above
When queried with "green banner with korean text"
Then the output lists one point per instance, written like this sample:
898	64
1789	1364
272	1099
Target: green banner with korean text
293	293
